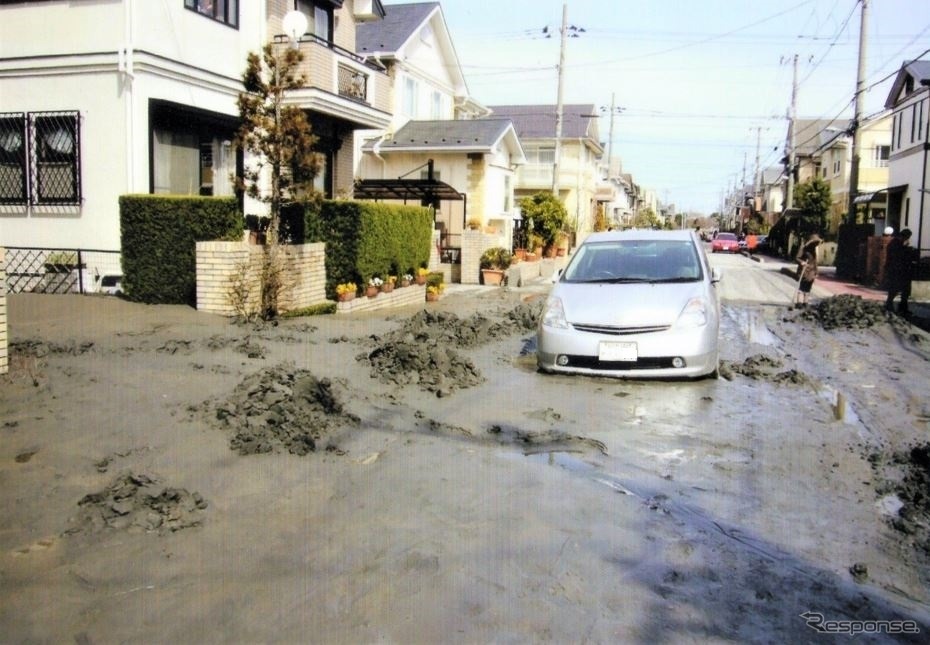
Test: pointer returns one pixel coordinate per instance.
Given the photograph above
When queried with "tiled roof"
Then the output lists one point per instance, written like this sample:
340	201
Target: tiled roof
389	35
444	135
538	121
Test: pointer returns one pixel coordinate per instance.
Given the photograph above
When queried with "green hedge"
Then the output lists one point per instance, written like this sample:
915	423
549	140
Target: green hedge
364	239
158	236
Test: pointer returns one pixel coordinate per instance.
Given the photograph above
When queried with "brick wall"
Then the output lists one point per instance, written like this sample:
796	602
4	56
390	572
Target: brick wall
223	265
474	244
4	355
415	294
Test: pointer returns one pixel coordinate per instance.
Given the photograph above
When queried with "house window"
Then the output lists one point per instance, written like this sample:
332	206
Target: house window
881	156
920	121
319	18
913	122
410	97
40	158
900	121
541	156
424	174
225	11
836	167
13	159
436	105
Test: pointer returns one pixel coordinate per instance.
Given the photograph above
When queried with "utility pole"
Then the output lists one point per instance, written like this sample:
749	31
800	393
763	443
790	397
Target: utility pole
756	179
789	198
558	108
857	114
610	136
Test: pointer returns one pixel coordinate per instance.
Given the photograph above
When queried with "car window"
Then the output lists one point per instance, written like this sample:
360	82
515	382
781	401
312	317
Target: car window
726	236
635	261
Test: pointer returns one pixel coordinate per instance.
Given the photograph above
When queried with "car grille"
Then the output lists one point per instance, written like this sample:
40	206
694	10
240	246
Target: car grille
644	363
619	331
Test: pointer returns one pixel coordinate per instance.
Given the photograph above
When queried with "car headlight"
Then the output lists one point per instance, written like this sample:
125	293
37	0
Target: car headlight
694	314
554	315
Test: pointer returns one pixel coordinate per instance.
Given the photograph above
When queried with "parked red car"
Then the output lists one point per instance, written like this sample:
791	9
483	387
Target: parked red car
725	242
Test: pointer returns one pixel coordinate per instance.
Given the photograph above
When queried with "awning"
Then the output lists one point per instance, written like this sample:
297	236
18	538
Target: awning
879	195
428	190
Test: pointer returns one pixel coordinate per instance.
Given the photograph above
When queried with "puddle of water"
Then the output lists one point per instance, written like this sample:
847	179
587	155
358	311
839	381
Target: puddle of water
752	323
842	408
890	505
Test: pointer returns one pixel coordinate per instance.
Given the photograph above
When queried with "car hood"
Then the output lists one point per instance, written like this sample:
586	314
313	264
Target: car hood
626	305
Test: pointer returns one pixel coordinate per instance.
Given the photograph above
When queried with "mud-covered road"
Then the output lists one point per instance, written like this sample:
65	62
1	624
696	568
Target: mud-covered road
167	476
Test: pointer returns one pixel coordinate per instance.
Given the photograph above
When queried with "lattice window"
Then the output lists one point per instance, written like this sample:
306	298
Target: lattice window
13	146
40	158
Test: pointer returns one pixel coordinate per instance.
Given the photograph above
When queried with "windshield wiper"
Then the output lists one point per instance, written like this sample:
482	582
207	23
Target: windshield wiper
681	279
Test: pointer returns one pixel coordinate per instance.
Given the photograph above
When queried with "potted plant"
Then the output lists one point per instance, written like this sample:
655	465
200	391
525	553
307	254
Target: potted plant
533	244
406	280
473	223
388	284
547	216
433	292
374	286
346	291
494	262
422	273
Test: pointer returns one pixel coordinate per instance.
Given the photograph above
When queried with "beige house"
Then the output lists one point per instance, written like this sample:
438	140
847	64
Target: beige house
579	158
824	149
438	149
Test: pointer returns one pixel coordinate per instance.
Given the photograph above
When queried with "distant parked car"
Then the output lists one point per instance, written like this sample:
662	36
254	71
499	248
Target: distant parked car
633	304
725	243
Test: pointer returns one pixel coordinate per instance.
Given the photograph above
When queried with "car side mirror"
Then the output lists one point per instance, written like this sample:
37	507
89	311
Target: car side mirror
556	276
715	275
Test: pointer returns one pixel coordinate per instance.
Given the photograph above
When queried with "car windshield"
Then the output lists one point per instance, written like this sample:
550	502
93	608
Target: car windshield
635	261
726	236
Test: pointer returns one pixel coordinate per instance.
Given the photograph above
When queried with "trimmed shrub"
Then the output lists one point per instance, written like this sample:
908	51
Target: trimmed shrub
158	236
365	239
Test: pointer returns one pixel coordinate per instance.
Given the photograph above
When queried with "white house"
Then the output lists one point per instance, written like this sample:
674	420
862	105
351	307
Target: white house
909	180
100	98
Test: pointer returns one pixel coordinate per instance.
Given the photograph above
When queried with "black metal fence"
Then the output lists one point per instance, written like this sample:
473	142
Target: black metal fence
49	270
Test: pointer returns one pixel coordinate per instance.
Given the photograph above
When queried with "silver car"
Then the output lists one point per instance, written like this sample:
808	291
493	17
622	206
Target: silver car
633	304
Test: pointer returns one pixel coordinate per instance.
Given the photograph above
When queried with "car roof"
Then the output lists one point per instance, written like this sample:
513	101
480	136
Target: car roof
640	234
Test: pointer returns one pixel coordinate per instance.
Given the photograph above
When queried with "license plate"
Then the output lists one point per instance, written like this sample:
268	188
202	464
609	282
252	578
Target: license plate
608	351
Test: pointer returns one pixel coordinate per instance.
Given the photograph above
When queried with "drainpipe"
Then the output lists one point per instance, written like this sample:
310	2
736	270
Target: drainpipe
126	67
376	150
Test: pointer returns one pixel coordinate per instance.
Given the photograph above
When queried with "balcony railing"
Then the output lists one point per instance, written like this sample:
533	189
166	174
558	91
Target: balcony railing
339	71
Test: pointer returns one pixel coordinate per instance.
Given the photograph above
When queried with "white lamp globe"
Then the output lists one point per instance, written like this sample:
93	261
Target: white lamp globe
295	25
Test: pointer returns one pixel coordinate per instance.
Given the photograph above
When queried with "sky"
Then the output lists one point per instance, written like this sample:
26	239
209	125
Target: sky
695	84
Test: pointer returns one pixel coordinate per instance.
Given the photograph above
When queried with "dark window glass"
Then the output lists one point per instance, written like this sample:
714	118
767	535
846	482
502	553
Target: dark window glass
226	11
56	155
13	159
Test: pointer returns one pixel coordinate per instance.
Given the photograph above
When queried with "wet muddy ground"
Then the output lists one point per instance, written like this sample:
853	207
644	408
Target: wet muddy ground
170	476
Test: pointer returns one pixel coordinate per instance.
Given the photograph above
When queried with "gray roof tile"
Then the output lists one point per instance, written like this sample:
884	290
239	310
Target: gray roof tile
538	121
389	34
440	135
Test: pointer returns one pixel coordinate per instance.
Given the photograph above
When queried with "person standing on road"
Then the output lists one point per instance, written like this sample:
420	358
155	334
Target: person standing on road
899	271
807	268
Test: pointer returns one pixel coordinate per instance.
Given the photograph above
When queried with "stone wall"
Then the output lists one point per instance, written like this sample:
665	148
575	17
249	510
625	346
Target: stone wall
4	354
474	244
415	294
226	267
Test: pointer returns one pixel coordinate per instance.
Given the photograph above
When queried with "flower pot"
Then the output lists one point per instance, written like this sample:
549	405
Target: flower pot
387	287
549	252
405	283
519	254
431	297
371	291
421	279
492	277
531	257
561	251
346	297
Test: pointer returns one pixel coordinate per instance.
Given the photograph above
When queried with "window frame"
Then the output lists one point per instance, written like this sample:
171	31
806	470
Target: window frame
15	158
225	12
41	151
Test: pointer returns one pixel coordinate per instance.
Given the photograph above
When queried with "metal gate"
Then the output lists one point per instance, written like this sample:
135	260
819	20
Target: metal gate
51	270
